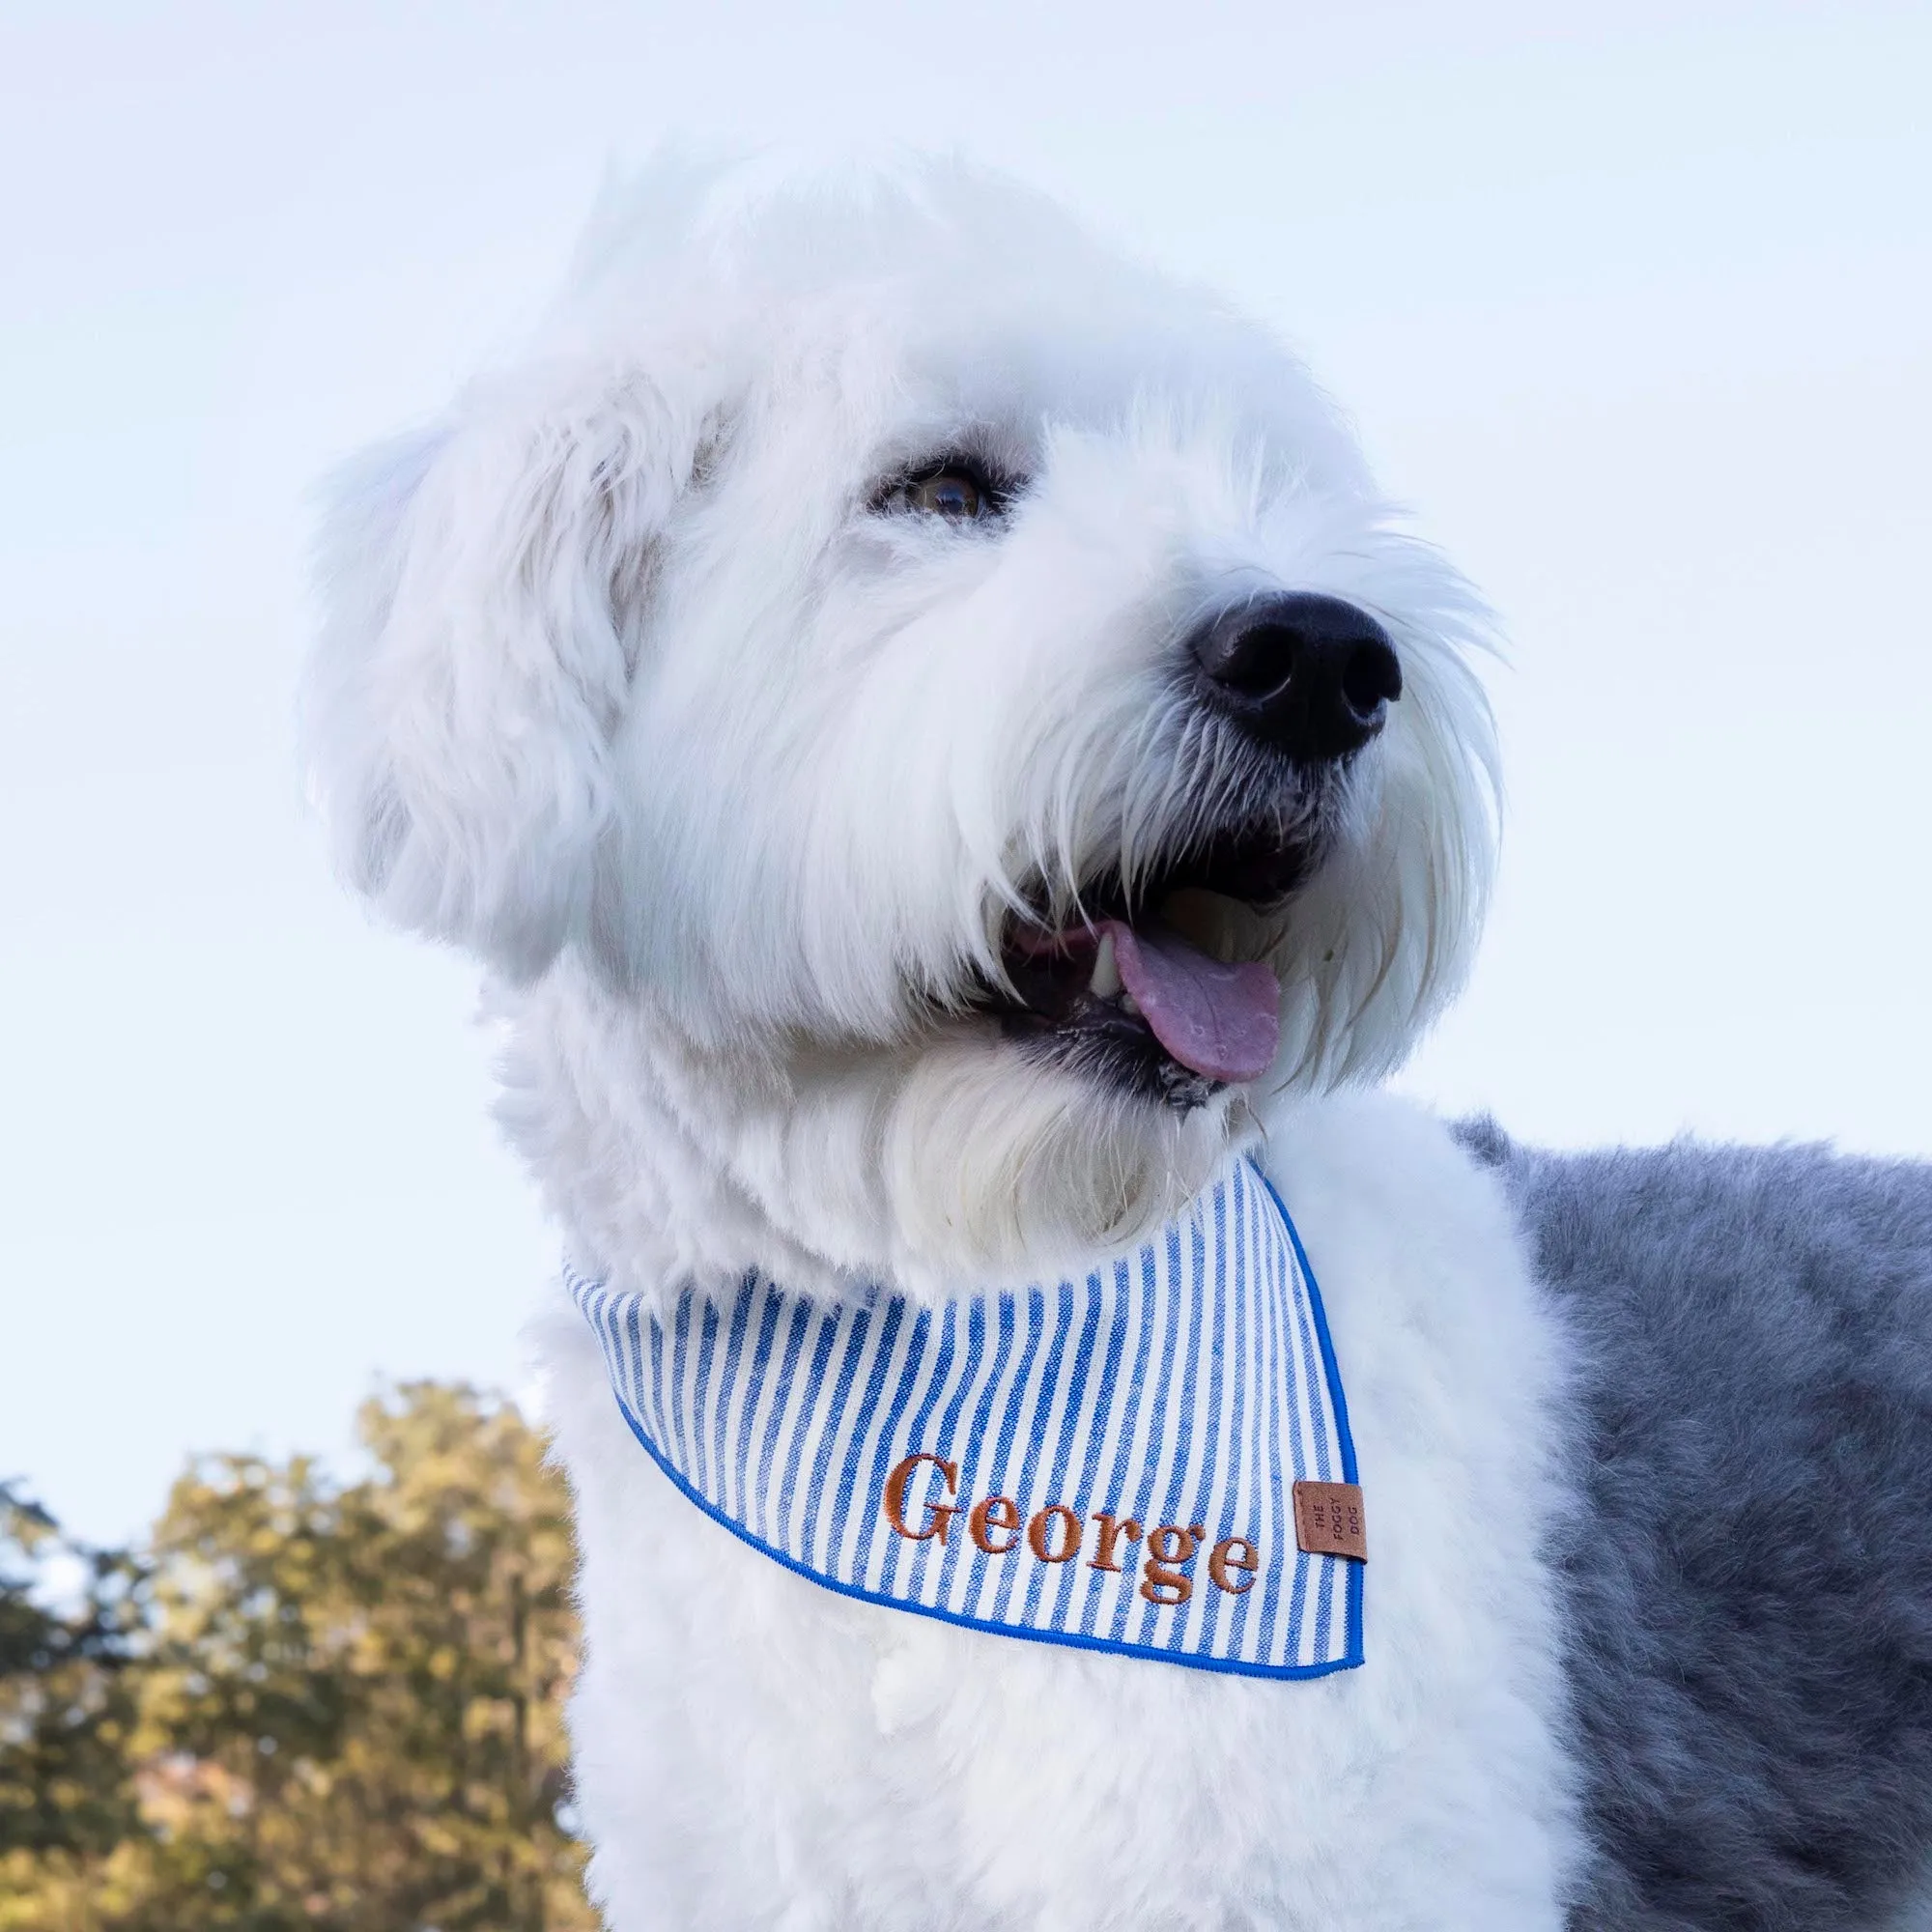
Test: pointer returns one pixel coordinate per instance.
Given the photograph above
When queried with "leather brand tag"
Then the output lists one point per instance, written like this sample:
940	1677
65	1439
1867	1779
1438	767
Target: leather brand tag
1328	1520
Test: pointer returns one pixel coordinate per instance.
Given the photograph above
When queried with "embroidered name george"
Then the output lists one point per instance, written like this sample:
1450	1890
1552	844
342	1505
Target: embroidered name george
1056	1534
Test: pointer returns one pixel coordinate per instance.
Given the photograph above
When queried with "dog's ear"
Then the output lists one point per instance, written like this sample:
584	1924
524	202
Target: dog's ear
484	590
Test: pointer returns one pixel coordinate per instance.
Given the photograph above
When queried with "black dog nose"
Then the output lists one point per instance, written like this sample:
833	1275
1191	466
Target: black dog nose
1311	675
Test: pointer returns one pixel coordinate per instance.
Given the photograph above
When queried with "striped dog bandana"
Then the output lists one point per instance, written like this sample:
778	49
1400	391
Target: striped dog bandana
1148	1461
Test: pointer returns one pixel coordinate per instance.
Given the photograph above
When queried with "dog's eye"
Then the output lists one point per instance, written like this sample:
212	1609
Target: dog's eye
947	492
956	489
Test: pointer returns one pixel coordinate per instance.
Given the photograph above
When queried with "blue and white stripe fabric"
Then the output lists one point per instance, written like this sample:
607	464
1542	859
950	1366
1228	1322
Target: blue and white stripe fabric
1106	1462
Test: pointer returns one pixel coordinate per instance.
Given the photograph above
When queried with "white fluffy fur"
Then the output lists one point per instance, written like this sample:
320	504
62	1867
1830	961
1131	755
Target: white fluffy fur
754	1750
731	783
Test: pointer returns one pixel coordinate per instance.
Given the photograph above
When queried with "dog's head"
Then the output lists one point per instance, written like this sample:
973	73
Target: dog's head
956	694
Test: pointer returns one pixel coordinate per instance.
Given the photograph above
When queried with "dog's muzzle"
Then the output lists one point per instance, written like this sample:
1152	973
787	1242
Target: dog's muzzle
1309	675
1161	982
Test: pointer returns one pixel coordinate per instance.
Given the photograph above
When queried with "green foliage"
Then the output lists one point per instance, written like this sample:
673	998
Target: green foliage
305	1704
65	1702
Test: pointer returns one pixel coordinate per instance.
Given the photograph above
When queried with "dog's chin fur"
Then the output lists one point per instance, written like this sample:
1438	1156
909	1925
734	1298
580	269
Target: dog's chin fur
946	1164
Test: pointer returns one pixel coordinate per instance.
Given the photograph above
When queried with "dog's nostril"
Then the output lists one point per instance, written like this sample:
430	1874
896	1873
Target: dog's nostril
1372	676
1310	674
1249	660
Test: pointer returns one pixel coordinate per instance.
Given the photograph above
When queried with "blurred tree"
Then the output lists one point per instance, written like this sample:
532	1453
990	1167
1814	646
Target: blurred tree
346	1699
66	1712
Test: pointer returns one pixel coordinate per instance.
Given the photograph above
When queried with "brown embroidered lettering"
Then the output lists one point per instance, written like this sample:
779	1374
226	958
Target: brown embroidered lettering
939	1515
1328	1520
1038	1529
1167	1546
1232	1553
995	1513
1112	1530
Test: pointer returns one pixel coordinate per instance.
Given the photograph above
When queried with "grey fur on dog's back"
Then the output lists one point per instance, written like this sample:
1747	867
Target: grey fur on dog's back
1749	1577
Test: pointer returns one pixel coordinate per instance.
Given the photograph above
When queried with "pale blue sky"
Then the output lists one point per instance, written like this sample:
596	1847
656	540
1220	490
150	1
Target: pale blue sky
1633	309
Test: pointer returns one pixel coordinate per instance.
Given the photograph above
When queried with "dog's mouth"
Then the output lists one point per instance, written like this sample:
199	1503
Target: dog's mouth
1163	988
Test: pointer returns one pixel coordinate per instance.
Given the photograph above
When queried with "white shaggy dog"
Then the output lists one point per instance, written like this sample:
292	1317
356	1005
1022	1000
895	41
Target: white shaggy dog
944	750
665	675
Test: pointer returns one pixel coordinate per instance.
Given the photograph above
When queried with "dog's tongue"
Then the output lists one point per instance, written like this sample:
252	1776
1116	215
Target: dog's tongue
1223	1022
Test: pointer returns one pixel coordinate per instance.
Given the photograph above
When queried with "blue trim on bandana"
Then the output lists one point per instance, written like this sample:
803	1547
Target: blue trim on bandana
1337	1395
1257	1306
